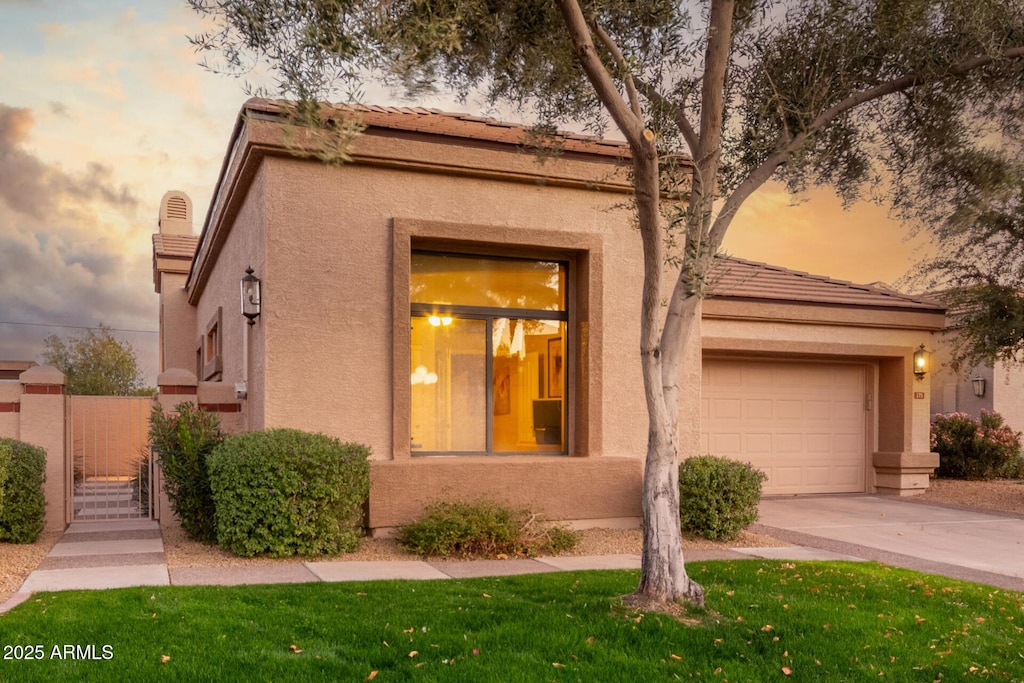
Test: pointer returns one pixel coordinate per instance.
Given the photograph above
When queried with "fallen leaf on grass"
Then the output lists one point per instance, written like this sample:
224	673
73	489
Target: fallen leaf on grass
979	620
165	658
485	595
557	665
675	657
408	630
919	619
295	649
786	670
590	639
767	627
413	653
373	675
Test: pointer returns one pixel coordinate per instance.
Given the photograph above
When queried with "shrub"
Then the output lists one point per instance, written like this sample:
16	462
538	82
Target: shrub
183	442
23	508
483	529
286	492
975	449
718	497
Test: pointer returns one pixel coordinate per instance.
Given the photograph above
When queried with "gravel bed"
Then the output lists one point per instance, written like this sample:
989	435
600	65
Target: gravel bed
1003	495
18	560
182	552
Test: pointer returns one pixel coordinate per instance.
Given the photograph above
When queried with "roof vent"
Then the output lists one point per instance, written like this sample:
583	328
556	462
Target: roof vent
176	213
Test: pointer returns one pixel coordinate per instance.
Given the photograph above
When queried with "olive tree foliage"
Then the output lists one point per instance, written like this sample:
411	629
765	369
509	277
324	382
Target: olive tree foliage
96	363
978	269
714	97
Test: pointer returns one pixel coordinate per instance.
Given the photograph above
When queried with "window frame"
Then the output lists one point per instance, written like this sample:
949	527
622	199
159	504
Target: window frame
489	314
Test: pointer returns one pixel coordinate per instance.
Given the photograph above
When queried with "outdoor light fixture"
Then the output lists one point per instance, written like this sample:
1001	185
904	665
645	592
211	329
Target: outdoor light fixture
250	296
920	362
979	386
439	320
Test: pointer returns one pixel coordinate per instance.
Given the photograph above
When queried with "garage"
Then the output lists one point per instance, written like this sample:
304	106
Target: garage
802	423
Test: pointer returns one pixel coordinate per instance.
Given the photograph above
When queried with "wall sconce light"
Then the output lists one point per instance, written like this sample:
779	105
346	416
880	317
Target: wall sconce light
979	386
440	320
250	296
920	362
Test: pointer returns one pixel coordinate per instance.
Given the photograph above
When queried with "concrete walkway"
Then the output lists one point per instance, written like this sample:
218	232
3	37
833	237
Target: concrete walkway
121	554
963	543
973	545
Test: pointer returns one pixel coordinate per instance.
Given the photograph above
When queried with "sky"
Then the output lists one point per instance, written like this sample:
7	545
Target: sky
104	107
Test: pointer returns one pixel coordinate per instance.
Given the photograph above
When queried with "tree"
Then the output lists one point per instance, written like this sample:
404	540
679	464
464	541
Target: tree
979	267
862	96
95	363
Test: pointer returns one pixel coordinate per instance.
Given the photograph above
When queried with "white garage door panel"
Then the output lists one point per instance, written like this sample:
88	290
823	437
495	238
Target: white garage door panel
802	424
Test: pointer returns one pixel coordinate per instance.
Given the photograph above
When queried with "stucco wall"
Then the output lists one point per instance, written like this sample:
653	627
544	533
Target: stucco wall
329	321
244	247
1007	392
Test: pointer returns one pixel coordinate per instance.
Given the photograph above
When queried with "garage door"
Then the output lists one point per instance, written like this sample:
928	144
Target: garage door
802	424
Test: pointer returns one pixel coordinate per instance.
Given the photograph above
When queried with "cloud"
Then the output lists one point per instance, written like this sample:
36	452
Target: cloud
69	247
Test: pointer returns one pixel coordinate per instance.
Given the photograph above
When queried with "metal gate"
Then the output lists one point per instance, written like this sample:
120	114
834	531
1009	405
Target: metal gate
109	467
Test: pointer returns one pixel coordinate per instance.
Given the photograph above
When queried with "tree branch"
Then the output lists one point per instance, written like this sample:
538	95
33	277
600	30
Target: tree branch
760	175
627	75
678	115
604	85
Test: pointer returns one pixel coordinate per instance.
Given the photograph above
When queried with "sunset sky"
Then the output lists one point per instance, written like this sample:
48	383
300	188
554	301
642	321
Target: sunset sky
103	108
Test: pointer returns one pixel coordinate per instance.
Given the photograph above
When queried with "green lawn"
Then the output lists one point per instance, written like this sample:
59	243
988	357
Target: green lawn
815	620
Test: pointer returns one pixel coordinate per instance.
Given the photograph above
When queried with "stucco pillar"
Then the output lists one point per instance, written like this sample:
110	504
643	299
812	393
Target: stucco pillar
902	463
42	424
176	386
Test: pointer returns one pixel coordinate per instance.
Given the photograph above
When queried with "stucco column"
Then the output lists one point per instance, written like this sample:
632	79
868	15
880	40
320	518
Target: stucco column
903	463
42	424
176	386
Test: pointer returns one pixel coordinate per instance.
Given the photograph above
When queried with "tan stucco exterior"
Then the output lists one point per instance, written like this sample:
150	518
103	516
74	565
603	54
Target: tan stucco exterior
330	350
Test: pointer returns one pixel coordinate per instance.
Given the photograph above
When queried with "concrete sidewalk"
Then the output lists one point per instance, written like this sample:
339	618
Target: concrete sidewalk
99	555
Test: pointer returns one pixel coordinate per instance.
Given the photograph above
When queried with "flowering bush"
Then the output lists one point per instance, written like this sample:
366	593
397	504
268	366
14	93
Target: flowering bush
973	449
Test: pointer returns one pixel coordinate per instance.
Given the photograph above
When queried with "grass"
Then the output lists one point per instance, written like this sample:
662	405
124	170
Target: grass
816	620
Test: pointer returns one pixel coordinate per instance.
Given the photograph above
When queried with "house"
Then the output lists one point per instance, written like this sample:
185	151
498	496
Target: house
469	309
996	386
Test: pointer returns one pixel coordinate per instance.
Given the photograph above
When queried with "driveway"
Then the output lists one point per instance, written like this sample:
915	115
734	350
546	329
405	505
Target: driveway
981	546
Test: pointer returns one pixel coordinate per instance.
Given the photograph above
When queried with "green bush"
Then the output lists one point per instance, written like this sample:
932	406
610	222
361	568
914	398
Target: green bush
183	442
718	497
483	529
5	470
285	492
23	508
975	449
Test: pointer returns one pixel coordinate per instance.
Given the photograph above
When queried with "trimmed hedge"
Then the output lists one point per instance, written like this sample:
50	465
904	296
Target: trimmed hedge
22	502
286	492
183	442
718	497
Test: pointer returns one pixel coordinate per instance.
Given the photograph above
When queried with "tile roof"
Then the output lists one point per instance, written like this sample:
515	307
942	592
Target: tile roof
175	246
738	278
466	126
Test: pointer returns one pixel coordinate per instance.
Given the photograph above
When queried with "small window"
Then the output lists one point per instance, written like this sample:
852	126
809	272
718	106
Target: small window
488	361
211	350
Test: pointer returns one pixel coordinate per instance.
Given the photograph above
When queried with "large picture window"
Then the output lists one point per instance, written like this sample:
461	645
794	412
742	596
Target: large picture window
489	354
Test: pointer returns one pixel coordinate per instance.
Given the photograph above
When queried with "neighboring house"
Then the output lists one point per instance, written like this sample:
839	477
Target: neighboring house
998	386
472	314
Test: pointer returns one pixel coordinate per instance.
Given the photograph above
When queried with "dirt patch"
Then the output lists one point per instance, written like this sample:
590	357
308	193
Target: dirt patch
1002	495
18	560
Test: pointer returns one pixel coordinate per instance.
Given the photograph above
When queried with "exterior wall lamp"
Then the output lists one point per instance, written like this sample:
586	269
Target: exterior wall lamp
250	296
979	386
921	362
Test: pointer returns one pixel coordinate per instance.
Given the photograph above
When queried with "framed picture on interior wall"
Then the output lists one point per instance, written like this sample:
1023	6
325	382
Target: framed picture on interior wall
556	368
502	386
